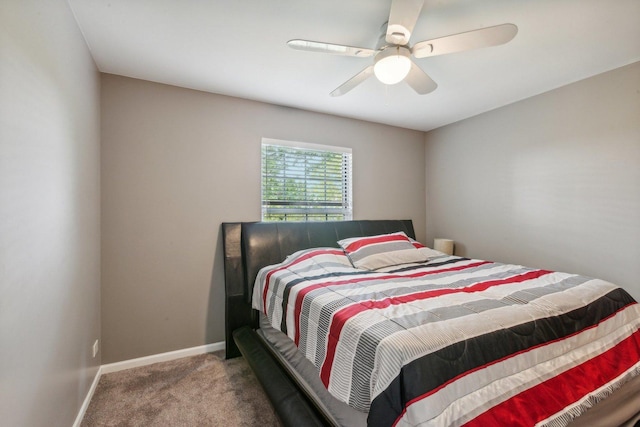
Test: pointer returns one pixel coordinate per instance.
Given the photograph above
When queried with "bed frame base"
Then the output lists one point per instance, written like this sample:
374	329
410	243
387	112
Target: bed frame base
292	407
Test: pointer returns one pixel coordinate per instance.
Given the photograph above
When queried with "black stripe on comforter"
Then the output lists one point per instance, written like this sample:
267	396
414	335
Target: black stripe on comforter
431	371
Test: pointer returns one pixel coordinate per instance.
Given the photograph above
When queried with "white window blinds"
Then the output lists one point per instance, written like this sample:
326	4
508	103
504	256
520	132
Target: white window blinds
305	182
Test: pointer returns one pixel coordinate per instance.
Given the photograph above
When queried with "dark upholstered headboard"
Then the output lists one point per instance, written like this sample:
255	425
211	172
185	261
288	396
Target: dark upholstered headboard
249	246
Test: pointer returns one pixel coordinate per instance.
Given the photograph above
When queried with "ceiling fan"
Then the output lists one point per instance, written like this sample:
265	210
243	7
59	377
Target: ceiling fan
392	55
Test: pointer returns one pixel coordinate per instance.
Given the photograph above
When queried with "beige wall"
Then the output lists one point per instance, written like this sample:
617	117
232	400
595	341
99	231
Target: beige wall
176	163
49	215
552	181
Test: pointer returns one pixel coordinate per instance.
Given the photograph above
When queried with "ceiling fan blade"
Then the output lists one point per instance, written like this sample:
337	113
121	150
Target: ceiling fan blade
353	81
336	49
419	80
475	39
402	19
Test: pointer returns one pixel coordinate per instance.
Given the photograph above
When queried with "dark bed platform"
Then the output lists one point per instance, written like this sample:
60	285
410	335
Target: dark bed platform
248	247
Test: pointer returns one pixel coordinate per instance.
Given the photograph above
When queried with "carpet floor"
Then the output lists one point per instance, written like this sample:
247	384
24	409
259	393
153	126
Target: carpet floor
203	390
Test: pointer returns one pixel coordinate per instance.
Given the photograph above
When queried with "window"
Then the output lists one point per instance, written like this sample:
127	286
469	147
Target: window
305	182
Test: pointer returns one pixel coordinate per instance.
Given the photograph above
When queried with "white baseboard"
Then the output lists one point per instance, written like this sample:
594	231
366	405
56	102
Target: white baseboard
87	398
143	361
162	357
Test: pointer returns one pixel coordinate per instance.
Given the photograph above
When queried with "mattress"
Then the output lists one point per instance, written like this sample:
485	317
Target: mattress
620	409
537	295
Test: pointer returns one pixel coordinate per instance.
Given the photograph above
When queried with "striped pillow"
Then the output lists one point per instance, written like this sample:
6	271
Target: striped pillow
417	244
380	251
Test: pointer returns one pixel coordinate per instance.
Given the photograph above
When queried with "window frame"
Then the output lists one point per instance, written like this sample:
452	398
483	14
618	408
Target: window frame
331	210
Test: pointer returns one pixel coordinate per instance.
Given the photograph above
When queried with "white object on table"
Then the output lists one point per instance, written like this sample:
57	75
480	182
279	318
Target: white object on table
443	245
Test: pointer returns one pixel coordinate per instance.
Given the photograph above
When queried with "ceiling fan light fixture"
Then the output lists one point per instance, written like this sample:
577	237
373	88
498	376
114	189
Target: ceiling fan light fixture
392	65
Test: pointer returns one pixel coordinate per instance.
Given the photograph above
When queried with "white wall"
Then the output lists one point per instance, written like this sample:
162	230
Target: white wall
176	163
552	181
49	214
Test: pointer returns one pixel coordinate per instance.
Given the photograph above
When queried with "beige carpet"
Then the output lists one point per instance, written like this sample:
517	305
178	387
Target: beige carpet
203	390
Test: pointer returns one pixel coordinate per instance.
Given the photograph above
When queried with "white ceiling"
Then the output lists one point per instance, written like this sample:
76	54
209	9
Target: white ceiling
238	48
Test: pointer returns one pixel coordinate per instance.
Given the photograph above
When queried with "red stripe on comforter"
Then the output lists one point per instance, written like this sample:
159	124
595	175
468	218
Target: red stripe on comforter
341	317
309	288
294	262
552	396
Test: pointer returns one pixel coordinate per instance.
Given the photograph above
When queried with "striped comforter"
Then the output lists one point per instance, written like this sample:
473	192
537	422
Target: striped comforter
454	341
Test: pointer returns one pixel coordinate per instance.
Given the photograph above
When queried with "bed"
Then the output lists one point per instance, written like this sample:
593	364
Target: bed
358	377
